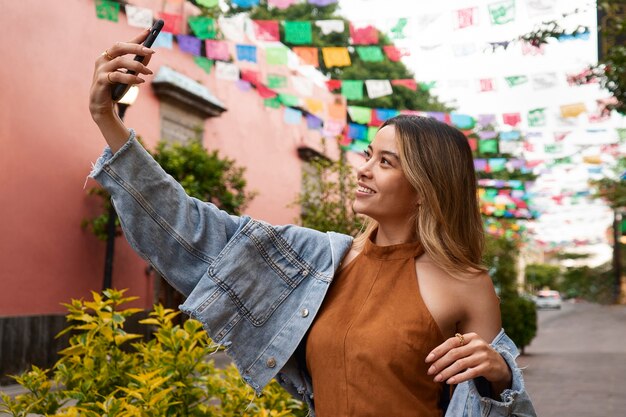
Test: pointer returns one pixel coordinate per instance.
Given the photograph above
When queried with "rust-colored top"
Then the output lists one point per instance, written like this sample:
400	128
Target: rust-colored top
366	348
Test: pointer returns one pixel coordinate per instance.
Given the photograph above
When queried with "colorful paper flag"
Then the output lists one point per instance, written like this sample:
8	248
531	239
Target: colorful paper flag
466	17
473	143
243	85
308	55
502	12
303	86
367	35
203	27
378	88
515	80
107	10
537	117
226	71
266	30
358	114
356	131
370	53
331	26
276	81
313	123
462	121
379	116
394	53
573	110
333	84
337	110
273	103
292	116
486	85
245	4
171	22
511	135
397	31
207	3
336	56
352	89
313	105
289	100
371	133
217	50
164	40
250	75
540	7
511	119
298	33
485	120
280	4
543	81
203	63
233	28
189	44
409	83
487	134
139	17
265	92
276	55
246	53
322	3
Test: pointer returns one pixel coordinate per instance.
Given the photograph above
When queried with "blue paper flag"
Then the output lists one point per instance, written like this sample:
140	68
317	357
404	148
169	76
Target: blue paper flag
292	116
246	53
356	131
512	135
164	40
462	121
384	114
245	3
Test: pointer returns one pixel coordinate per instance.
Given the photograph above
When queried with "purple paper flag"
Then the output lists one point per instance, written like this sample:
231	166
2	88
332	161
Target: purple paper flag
189	44
244	85
322	3
480	164
437	115
313	123
486	119
487	134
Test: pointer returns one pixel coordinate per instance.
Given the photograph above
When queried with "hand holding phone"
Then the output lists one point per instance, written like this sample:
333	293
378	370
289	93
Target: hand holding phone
118	90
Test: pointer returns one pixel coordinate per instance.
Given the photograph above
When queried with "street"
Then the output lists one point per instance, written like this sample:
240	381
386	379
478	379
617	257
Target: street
576	366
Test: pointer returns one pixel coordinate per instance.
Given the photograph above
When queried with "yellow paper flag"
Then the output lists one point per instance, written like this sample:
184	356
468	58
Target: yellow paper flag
573	110
336	56
314	106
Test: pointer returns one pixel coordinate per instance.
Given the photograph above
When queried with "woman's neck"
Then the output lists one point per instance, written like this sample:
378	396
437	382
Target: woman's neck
395	234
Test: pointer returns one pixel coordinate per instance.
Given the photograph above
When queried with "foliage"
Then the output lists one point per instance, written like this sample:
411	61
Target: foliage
591	284
203	175
102	374
501	259
325	196
519	319
542	275
613	190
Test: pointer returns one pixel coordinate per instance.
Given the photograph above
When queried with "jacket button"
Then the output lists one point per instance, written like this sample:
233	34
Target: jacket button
271	362
305	272
304	312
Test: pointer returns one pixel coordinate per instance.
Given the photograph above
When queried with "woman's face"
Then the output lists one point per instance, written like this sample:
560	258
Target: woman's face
384	193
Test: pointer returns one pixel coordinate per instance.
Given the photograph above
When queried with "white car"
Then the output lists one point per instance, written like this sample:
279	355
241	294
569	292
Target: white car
548	299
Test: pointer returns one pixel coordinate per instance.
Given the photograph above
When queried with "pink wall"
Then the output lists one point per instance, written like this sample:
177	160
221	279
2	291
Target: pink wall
48	141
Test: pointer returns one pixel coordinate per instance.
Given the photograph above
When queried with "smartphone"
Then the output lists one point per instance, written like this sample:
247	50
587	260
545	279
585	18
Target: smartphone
118	90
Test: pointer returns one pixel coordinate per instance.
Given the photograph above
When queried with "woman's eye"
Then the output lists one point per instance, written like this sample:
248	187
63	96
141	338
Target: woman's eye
366	154
385	161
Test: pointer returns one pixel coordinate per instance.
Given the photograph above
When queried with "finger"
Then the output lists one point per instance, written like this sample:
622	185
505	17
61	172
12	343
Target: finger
449	358
120	77
466	375
126	63
445	347
466	360
140	37
124	48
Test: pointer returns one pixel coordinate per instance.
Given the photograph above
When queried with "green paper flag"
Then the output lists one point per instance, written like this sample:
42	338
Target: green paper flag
204	63
621	133
107	10
371	133
552	148
427	86
488	146
276	81
398	29
361	115
203	27
497	164
273	103
207	3
537	117
502	12
288	100
515	80
352	89
370	53
276	55
298	33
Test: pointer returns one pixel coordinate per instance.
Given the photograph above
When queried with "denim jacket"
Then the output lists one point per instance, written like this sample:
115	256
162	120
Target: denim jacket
256	288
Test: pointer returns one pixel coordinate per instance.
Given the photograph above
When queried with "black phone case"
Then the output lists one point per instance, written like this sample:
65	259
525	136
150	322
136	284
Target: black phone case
118	90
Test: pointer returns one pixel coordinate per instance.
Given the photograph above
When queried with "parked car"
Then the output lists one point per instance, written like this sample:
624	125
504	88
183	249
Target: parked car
548	299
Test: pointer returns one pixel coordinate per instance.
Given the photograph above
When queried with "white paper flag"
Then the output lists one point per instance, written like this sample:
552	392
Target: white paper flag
378	88
139	17
330	26
544	80
303	86
226	71
233	28
540	7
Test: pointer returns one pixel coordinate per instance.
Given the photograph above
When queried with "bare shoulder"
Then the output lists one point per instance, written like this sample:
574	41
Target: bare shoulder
469	299
349	257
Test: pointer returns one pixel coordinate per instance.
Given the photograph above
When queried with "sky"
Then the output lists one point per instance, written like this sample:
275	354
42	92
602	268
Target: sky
457	59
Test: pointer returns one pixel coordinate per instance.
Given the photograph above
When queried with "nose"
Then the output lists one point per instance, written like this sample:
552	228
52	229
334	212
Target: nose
364	171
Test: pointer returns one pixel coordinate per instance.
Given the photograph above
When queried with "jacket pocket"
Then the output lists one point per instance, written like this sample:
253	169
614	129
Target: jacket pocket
258	270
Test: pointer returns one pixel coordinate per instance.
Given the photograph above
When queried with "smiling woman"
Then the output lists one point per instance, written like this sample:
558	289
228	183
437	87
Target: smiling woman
375	326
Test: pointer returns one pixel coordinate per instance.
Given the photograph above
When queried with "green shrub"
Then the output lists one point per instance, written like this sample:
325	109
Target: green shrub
519	320
106	371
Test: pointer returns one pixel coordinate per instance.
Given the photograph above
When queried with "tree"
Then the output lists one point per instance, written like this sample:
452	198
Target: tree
542	275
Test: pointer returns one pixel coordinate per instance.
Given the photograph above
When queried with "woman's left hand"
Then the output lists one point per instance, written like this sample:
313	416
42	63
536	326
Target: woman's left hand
465	357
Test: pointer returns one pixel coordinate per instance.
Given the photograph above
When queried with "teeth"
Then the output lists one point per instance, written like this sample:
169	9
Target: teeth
365	190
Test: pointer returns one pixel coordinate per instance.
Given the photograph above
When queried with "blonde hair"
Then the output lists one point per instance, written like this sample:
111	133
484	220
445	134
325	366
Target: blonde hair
437	161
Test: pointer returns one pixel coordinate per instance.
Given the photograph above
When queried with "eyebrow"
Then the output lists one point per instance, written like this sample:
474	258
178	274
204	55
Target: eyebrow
389	153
